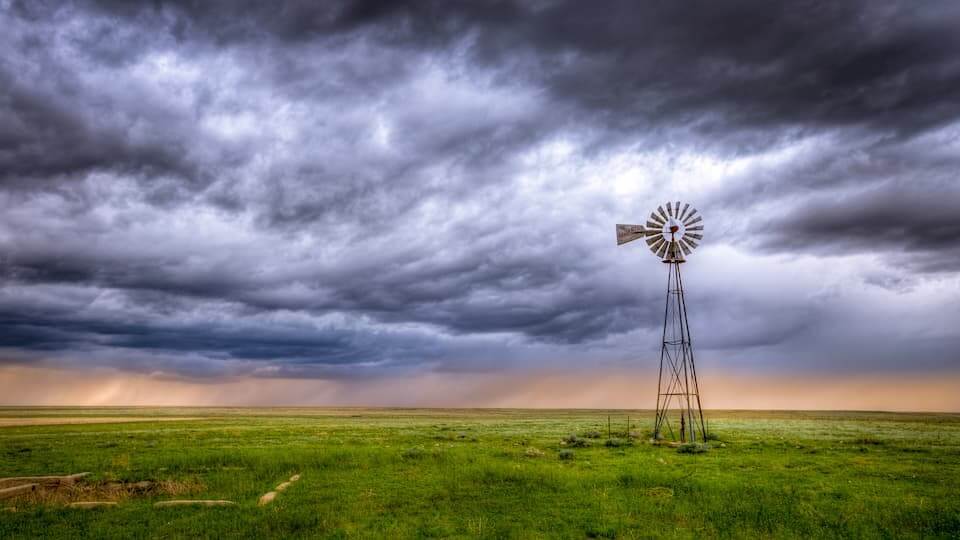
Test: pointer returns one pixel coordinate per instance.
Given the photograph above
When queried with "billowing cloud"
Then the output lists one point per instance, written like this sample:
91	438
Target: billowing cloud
357	190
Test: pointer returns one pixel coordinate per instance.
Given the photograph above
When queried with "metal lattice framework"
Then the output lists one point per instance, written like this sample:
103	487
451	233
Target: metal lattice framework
671	235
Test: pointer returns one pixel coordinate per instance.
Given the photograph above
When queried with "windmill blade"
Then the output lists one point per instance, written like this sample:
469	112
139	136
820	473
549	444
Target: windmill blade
693	221
629	233
684	213
662	251
658	246
697	228
652	241
662	213
683	246
694	235
669	210
652	225
676	210
693	245
656	219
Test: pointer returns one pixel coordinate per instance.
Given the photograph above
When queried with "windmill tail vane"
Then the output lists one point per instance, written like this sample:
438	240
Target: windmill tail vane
672	233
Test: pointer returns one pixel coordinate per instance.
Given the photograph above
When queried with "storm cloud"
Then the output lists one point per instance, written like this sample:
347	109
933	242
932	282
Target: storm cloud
367	189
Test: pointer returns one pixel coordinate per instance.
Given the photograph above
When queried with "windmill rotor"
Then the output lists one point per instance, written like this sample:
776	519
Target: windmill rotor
672	232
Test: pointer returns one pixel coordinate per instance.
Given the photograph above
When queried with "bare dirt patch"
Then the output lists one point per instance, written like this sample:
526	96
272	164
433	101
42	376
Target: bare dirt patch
104	491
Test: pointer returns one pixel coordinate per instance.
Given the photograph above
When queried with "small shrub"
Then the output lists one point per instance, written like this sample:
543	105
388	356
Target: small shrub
692	448
592	434
711	436
533	452
566	454
574	441
615	443
413	453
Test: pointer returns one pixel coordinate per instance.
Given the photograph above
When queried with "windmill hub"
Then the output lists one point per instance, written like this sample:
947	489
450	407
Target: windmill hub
672	235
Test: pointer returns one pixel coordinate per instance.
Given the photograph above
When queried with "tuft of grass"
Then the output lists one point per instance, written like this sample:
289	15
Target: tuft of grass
566	454
598	532
575	442
533	452
660	492
592	434
692	448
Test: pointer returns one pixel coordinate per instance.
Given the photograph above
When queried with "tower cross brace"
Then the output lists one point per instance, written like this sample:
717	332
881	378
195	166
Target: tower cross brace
679	412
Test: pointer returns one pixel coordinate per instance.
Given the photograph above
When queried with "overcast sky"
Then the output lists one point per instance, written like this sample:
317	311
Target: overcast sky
367	191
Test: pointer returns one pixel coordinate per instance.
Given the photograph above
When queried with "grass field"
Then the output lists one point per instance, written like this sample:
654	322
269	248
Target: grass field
396	473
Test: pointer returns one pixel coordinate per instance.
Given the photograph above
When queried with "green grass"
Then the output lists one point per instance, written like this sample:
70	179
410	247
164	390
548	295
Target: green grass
393	473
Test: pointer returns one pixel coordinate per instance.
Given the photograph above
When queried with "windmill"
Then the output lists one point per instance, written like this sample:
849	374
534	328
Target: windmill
672	235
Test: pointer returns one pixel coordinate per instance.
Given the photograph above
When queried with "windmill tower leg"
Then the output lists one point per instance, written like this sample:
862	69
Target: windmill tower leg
678	392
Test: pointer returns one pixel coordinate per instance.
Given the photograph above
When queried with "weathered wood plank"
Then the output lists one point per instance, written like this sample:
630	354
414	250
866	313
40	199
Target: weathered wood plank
45	481
9	492
91	504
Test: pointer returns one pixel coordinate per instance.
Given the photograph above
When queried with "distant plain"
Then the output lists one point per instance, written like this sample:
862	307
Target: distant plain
494	473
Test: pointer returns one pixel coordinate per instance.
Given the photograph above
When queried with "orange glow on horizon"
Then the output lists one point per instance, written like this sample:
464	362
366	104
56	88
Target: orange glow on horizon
21	385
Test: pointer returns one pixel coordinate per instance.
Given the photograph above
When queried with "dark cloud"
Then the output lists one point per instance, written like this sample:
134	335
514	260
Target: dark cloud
922	227
736	71
334	189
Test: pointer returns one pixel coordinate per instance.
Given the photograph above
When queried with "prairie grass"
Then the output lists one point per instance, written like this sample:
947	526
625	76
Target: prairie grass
407	473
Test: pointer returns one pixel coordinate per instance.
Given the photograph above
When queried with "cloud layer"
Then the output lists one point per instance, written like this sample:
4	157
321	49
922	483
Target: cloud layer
363	190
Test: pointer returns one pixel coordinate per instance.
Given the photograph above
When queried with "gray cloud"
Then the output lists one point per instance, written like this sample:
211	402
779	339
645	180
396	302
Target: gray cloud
901	220
360	188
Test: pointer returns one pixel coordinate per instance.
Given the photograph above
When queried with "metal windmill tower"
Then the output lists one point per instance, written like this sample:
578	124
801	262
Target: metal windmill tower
672	235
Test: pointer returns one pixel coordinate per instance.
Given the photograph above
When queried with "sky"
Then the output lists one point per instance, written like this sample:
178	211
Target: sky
413	203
